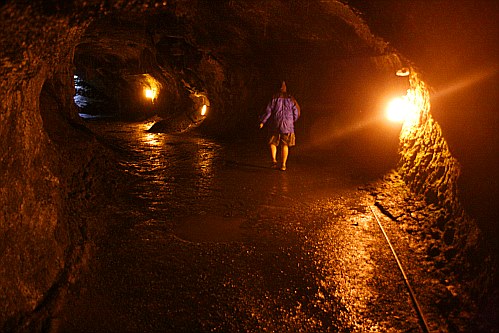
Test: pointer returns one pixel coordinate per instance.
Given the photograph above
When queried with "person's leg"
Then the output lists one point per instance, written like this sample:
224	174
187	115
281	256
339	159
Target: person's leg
273	152
284	154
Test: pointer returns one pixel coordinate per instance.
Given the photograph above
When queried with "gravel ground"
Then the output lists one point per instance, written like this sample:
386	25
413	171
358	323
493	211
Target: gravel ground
208	238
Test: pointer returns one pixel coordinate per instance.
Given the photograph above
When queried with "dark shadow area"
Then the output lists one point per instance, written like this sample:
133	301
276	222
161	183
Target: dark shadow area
470	119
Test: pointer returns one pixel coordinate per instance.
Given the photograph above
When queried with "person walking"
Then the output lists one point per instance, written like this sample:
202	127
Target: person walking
281	114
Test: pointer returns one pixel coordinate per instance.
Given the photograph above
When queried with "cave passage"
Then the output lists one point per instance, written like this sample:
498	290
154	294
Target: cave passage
134	67
210	237
136	187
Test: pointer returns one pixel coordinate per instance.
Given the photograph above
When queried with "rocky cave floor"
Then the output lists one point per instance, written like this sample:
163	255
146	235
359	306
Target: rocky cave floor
206	237
447	287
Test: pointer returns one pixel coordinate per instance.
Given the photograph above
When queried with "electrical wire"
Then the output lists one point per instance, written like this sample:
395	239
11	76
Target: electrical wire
417	307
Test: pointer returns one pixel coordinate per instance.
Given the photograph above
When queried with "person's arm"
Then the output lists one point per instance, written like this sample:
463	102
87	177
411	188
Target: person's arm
268	111
296	110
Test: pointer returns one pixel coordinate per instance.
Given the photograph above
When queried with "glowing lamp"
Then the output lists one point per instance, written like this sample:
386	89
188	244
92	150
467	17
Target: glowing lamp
203	110
399	109
150	93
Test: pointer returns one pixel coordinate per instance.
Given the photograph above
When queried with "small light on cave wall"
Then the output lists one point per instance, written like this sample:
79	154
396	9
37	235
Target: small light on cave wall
406	109
399	109
204	109
150	93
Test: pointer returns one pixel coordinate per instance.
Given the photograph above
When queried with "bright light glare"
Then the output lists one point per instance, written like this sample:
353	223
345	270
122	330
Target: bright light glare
203	110
399	109
150	93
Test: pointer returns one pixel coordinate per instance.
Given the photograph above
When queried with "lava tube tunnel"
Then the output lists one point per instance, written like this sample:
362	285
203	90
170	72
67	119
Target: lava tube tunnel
199	166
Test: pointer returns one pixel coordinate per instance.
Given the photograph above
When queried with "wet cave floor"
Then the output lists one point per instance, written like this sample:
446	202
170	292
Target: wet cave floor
209	238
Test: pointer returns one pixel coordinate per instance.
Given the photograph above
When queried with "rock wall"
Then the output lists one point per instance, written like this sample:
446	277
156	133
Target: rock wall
48	164
52	169
427	166
426	162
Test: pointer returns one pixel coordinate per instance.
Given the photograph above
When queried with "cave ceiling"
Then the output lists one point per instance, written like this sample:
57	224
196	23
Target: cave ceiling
221	49
266	37
241	29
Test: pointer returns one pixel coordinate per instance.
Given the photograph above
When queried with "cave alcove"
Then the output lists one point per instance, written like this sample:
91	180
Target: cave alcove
125	72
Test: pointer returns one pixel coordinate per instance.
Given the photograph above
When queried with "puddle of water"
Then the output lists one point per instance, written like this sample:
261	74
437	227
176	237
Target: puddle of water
210	228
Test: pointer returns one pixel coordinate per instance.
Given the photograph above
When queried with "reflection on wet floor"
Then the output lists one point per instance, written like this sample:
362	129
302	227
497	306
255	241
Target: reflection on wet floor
214	240
210	228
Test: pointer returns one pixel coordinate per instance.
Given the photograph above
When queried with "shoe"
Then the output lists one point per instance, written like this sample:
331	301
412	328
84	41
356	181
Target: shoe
274	165
283	168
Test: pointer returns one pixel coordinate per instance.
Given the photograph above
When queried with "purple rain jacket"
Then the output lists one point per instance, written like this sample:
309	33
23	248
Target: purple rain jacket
282	111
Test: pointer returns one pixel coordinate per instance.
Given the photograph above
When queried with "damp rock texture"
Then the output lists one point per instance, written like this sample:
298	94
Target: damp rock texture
430	208
169	60
447	247
35	189
429	169
51	166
